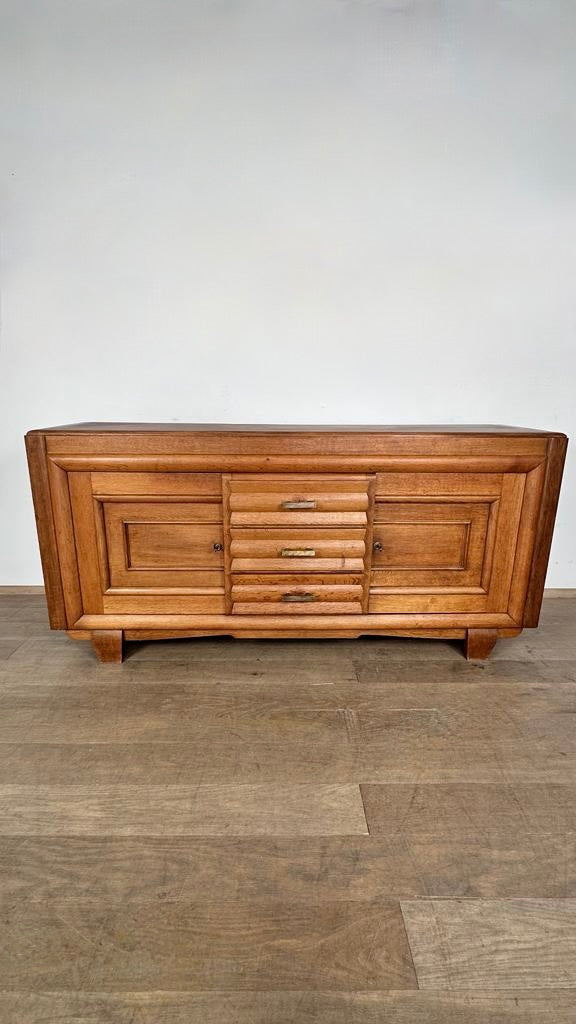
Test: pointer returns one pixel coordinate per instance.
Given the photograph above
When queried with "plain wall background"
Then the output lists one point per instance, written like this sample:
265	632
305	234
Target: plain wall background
282	211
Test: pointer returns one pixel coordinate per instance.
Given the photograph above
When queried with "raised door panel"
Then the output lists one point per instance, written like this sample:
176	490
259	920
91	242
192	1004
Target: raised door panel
430	544
162	544
445	542
145	553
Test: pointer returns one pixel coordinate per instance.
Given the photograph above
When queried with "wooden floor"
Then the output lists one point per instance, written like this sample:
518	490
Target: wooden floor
281	832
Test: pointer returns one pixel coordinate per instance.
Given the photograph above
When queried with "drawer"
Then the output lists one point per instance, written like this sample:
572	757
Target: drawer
294	597
294	500
297	550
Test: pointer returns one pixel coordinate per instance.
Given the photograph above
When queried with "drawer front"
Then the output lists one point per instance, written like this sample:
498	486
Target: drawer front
298	501
296	596
297	550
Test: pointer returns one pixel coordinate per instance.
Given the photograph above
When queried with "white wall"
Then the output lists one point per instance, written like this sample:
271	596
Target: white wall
286	210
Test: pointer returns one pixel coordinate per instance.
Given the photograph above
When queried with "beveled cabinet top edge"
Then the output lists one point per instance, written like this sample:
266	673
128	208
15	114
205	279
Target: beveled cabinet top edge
289	428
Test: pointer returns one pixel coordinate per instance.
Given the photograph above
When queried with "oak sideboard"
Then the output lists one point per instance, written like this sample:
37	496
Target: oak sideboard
149	531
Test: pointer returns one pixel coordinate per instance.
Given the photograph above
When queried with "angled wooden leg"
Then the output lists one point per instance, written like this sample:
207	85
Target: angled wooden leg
479	643
107	644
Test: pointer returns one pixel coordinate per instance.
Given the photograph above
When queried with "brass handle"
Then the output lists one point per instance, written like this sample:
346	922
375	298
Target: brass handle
298	504
297	597
298	553
378	545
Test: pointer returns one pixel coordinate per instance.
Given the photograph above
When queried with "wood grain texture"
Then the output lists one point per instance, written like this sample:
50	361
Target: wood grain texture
515	809
107	644
460	530
122	870
66	544
207	945
480	643
182	810
120	427
9	644
294	1007
491	944
491	461
38	468
113	912
556	455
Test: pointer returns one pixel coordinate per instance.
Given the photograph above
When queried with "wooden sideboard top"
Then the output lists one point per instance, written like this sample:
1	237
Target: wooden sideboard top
291	428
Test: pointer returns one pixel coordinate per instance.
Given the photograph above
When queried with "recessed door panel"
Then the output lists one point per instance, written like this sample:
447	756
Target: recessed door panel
162	544
147	551
445	548
431	544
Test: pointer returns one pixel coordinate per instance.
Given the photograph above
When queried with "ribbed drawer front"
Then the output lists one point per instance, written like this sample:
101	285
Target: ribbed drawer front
294	597
297	545
294	501
294	550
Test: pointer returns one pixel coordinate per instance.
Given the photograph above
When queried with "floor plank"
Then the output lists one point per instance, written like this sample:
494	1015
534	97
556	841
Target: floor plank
295	1007
109	870
182	810
338	732
249	945
165	713
460	809
8	645
183	838
491	944
235	760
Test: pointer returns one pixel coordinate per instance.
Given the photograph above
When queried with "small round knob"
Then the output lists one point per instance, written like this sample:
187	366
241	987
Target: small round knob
218	547
378	545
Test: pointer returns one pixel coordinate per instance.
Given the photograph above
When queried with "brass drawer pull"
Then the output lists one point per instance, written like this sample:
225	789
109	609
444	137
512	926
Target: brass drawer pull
297	597
298	553
378	546
298	504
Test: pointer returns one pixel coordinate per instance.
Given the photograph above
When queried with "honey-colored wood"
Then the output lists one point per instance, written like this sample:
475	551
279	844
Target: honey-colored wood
327	591
295	531
281	463
157	486
371	623
38	466
480	642
107	644
430	544
329	548
556	454
64	528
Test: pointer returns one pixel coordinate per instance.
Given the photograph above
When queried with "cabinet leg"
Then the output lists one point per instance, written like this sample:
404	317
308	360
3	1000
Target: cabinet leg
107	644
479	643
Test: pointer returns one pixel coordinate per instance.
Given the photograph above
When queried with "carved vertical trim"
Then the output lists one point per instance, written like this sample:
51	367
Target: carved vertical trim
551	492
38	468
226	478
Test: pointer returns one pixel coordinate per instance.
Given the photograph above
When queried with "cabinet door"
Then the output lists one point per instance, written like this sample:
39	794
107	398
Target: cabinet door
149	542
445	542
